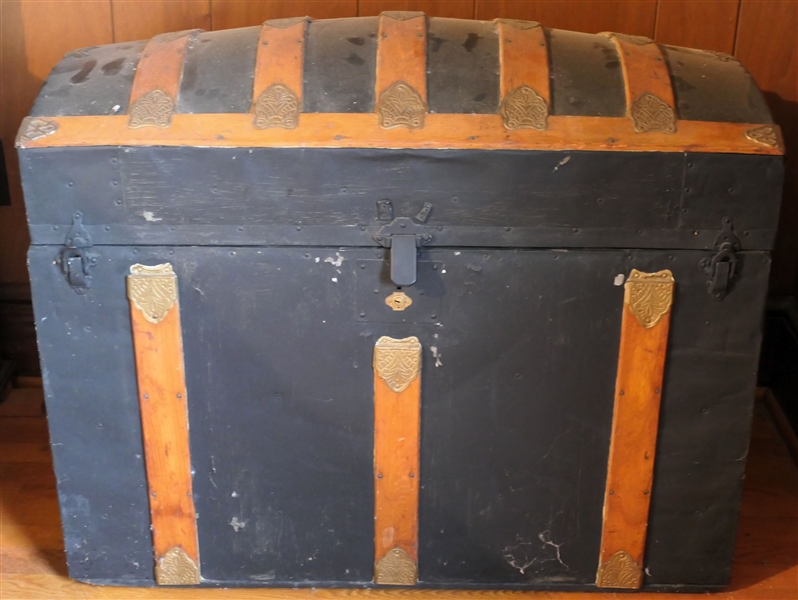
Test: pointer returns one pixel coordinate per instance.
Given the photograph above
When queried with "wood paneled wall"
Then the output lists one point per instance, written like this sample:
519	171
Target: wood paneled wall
761	33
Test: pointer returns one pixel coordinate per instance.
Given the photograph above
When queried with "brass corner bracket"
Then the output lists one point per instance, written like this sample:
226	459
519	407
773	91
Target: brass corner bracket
620	571
176	568
152	290
396	568
649	295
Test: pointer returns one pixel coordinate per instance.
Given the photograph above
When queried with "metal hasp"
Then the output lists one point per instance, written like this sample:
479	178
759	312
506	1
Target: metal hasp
722	267
76	258
404	236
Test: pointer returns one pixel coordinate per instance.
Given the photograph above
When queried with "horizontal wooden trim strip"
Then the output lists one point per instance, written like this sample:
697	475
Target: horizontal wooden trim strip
441	131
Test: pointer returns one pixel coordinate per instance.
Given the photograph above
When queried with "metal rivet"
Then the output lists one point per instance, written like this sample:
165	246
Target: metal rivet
362	266
379	475
180	395
646	492
434	316
612	492
620	393
656	391
299	228
146	396
362	315
412	475
154	495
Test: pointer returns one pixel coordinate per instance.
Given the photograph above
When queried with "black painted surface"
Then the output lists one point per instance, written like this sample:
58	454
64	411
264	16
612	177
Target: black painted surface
705	420
462	66
493	198
340	65
516	413
89	377
218	72
586	76
91	81
708	88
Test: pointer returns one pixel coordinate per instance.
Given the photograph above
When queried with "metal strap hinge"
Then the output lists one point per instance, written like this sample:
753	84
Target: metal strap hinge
723	265
76	258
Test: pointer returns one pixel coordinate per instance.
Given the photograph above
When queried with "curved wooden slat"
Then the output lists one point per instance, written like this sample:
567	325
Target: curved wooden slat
525	81
156	84
401	77
650	101
277	87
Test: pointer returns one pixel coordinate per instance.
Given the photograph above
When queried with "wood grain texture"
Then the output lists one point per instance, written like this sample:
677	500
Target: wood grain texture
766	46
704	24
164	419
455	131
32	563
227	14
143	19
280	58
397	421
634	17
402	54
644	71
630	473
33	38
160	68
455	9
524	60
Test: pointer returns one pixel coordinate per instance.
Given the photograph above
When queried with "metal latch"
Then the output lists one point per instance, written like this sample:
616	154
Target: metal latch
404	236
76	258
722	267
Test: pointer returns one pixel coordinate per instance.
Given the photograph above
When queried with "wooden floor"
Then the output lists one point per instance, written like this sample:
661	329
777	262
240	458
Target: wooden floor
32	561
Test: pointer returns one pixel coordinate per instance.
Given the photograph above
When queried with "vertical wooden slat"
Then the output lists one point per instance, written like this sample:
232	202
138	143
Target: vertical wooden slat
401	78
158	345
708	24
397	415
277	88
141	20
592	16
638	389
650	101
524	82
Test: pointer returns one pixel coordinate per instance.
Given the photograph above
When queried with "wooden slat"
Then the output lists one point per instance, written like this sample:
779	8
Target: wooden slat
277	87
644	70
524	80
455	131
228	14
629	16
397	414
160	67
708	24
523	58
401	64
141	20
158	345
638	390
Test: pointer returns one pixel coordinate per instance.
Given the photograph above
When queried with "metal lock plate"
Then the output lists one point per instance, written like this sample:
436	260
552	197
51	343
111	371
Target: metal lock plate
379	300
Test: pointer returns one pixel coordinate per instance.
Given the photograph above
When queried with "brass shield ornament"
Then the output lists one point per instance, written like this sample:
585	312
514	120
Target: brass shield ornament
649	113
524	108
649	295
153	109
277	106
401	106
153	290
398	362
